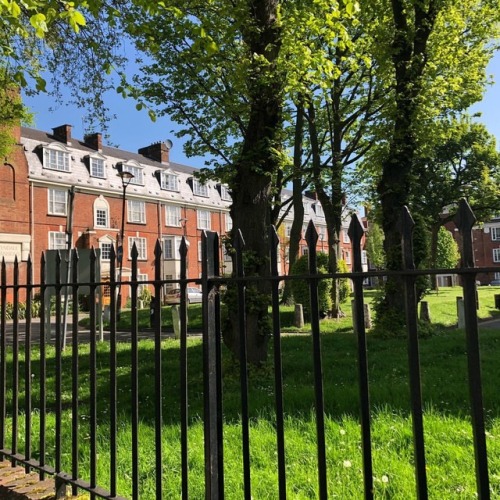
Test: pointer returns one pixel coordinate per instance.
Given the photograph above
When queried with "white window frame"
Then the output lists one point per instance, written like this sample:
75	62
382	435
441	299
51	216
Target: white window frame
101	217
105	255
97	167
495	233
58	206
142	286
224	193
364	257
57	240
345	236
226	256
173	252
56	157
347	257
228	223
200	251
204	219
169	181
141	245
136	170
100	204
199	188
496	276
136	212
172	215
496	255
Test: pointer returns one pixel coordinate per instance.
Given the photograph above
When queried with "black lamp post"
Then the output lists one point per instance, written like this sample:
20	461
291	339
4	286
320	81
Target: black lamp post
126	177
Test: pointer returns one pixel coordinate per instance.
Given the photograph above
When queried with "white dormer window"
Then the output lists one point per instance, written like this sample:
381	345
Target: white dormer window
200	189
169	181
56	157
97	166
319	210
224	193
136	170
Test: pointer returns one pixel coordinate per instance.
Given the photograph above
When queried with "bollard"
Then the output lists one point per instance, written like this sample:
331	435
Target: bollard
298	318
497	301
176	321
106	314
353	314
368	316
366	313
425	313
461	312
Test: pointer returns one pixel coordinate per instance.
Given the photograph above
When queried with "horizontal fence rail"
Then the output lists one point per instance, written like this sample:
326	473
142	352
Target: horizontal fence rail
50	396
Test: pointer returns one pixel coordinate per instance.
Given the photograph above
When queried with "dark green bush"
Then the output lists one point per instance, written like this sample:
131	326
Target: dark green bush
300	288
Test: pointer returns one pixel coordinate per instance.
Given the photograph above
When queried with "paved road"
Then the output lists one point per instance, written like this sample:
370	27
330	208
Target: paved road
83	333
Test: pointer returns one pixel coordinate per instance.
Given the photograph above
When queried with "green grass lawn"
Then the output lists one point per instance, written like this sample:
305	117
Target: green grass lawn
448	436
442	306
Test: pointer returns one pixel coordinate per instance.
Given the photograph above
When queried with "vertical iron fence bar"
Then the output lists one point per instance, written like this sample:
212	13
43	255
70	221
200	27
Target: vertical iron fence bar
27	365
43	366
75	376
465	221
406	229
135	377
58	365
183	250
239	245
3	347
312	239
93	374
356	232
218	364
15	361
158	373
112	384
278	370
214	480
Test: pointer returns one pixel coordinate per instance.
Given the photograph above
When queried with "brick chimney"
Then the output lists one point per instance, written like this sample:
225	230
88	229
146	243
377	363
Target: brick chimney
62	133
93	141
159	151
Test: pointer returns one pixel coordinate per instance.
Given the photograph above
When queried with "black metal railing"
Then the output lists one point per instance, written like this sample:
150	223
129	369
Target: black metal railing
16	416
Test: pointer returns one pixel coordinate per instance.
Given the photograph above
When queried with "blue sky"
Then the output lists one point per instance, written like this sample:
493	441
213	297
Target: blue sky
133	129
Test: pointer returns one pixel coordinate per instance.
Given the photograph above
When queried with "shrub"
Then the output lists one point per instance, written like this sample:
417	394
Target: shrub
344	285
300	288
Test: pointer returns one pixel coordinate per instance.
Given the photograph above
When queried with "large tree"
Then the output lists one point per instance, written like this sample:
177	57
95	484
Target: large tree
227	72
465	164
437	51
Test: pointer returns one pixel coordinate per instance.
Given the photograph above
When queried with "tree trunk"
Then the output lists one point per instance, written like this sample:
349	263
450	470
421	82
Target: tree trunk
394	189
298	205
258	163
332	204
434	247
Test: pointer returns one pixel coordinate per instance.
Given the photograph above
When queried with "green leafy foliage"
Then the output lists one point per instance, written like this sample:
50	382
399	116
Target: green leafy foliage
301	288
344	283
448	255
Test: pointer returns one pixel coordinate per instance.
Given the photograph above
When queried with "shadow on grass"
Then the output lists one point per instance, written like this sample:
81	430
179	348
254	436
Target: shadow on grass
443	365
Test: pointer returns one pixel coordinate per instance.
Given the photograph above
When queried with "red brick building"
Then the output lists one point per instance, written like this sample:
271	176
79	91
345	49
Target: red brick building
163	202
486	244
15	210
